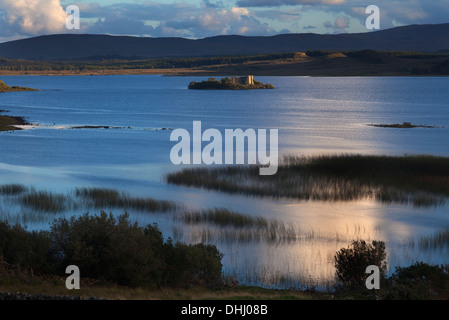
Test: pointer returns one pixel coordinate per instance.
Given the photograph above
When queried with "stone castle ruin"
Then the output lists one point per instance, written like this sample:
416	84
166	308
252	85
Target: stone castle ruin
246	80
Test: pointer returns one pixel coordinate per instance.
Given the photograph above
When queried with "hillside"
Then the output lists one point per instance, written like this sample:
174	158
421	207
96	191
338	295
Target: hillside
422	38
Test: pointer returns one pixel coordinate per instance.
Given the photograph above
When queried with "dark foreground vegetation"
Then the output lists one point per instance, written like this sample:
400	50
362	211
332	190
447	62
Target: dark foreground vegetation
110	250
410	179
419	281
118	259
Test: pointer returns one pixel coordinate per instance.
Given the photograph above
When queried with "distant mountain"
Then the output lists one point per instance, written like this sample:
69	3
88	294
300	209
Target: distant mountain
424	38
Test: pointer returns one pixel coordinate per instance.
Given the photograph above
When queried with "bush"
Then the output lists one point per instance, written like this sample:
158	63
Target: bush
419	282
110	250
117	251
25	249
193	265
351	262
104	248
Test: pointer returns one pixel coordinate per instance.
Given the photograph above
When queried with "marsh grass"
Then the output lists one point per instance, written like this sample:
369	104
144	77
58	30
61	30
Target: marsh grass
107	198
12	189
45	201
234	227
439	239
419	180
33	204
220	225
224	218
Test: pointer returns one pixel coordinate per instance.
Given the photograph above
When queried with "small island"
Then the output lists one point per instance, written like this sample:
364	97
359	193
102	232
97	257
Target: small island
406	125
233	83
5	88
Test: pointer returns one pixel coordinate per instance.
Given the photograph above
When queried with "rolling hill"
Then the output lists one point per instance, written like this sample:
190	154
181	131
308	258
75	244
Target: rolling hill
422	38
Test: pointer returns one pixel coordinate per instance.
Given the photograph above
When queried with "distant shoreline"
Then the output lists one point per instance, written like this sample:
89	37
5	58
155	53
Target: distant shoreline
206	73
318	63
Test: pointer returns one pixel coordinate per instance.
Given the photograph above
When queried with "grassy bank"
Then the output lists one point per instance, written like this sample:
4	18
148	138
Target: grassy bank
419	180
5	88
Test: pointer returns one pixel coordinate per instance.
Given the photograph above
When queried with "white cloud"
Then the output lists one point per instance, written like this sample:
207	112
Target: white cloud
176	19
186	18
33	17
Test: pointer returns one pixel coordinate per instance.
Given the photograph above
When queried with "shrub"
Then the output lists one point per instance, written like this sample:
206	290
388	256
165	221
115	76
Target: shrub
112	250
419	282
25	249
105	248
193	265
117	251
351	262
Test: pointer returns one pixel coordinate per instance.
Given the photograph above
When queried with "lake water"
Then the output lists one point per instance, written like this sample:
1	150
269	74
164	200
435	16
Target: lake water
313	115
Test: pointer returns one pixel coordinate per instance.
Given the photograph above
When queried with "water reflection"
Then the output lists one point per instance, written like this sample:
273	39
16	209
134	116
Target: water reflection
313	115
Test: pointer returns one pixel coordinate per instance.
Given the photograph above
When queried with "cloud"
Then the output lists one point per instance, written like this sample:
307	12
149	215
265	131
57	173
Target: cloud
186	18
32	17
277	3
175	19
340	25
284	15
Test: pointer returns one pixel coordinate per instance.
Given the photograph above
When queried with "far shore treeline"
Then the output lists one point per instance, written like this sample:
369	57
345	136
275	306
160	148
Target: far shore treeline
312	63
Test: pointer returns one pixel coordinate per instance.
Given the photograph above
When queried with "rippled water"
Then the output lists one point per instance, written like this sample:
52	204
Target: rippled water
313	116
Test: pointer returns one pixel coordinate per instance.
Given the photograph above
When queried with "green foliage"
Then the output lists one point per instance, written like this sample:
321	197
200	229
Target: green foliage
419	282
27	249
192	265
104	248
351	262
111	250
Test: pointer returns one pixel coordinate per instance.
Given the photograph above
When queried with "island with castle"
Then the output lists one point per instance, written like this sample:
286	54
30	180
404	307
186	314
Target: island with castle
233	83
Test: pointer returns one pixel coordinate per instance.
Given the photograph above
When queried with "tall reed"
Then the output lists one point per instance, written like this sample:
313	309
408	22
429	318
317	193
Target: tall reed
418	180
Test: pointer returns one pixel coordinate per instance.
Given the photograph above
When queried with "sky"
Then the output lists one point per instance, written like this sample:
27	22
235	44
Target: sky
204	18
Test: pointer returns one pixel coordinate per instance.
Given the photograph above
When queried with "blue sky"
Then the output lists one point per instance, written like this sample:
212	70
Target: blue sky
204	18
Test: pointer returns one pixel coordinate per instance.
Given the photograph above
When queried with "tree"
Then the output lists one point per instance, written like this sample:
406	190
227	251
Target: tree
351	262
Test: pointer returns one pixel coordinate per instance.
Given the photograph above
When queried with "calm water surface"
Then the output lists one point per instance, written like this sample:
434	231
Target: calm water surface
313	115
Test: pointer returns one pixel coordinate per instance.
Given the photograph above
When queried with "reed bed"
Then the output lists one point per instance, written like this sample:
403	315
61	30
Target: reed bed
224	218
439	239
82	198
44	201
228	226
100	198
418	180
220	225
12	189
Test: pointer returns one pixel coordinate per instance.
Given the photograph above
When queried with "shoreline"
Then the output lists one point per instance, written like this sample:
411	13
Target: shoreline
206	73
318	63
12	123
